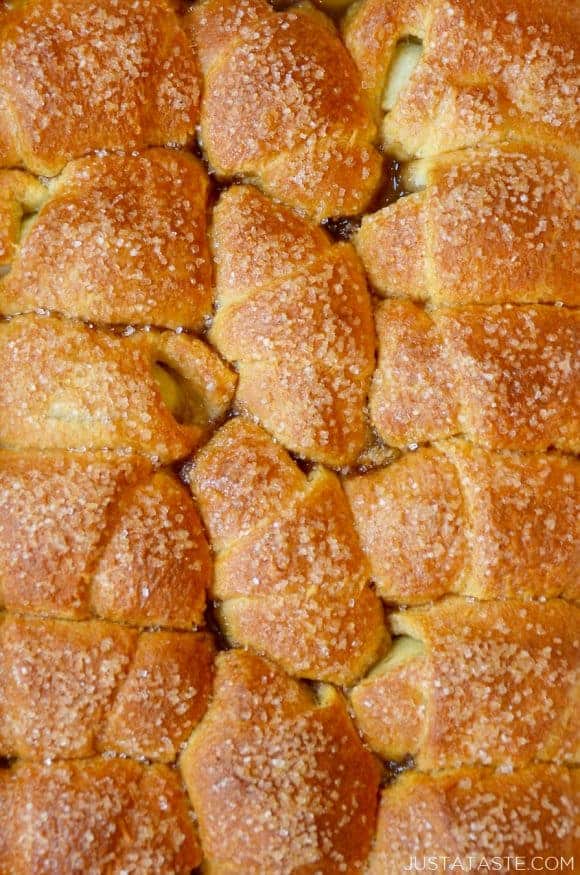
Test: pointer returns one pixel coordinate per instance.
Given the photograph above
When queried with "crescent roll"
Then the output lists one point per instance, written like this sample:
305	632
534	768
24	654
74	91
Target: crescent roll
67	385
445	74
294	314
283	105
70	690
289	572
459	519
278	776
476	815
83	75
505	377
470	683
97	815
100	535
118	239
484	226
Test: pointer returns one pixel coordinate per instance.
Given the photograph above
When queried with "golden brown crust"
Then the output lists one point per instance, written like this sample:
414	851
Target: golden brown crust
493	682
295	315
95	534
99	815
119	239
459	519
70	690
73	386
490	226
476	815
289	569
488	72
280	782
308	139
505	377
85	75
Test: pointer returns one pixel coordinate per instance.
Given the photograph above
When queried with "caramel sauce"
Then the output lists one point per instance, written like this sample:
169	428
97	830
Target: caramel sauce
390	190
394	768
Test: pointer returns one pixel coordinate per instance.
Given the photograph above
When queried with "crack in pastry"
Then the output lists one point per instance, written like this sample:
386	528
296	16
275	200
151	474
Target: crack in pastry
289	572
95	816
67	385
473	683
505	377
294	313
459	519
283	106
81	76
100	535
487	226
119	239
475	815
482	72
70	690
278	777
21	195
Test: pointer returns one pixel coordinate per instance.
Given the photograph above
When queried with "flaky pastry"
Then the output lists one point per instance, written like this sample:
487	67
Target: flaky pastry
289	573
100	535
70	690
294	314
471	683
68	385
307	138
117	239
83	75
505	377
456	518
278	776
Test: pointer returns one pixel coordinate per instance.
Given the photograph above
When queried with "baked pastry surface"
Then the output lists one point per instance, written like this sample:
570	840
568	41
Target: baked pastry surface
453	518
476	815
66	385
118	239
289	572
70	690
294	313
466	683
481	72
308	138
289	566
505	377
483	226
100	535
95	815
279	778
83	76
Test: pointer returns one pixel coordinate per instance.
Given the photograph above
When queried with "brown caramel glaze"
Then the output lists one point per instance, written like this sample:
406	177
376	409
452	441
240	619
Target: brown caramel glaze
391	189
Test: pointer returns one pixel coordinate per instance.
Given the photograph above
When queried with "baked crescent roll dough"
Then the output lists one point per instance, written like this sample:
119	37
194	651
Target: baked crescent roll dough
478	72
472	683
288	570
20	195
476	815
505	377
459	519
70	385
283	105
99	815
119	239
294	314
83	75
278	777
488	226
95	534
70	690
